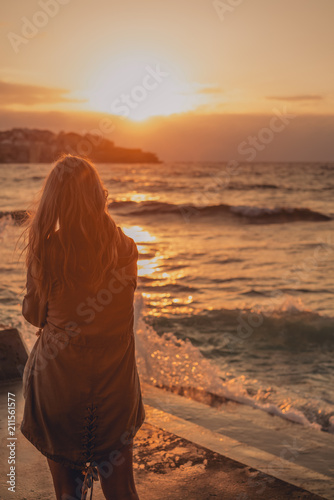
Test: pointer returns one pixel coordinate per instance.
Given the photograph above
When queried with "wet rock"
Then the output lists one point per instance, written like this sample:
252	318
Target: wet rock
13	354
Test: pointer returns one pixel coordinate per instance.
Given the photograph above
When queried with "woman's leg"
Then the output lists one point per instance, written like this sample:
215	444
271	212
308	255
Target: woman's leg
67	482
116	475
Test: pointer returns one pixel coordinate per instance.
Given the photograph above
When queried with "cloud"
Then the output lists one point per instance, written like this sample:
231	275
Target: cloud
198	88
30	95
296	98
210	90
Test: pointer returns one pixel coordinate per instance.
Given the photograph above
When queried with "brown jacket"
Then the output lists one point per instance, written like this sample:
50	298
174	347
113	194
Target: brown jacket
81	386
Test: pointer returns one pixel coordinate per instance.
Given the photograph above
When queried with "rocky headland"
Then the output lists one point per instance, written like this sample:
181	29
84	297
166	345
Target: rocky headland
23	145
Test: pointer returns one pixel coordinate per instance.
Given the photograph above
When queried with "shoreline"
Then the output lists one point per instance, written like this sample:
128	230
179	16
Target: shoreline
175	457
286	450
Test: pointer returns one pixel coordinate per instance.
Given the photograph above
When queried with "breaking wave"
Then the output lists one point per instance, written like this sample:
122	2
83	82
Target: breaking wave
250	214
177	365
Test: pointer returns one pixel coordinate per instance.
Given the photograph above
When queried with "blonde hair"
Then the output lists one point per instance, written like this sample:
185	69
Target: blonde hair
71	235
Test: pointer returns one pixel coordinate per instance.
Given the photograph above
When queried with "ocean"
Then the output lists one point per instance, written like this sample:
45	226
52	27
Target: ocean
235	288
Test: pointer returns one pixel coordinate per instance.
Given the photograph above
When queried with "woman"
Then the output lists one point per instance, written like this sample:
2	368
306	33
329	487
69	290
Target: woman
83	402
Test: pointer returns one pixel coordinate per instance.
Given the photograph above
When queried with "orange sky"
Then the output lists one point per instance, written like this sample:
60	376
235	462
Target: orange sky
192	62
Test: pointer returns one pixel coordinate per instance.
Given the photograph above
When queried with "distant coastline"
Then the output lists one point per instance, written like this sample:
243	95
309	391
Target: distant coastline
23	145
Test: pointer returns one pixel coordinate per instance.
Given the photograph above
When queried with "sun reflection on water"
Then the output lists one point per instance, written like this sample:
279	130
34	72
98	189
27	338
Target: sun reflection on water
147	267
152	263
139	234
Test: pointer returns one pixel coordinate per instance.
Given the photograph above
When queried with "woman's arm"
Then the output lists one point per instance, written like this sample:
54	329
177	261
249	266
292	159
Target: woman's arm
33	309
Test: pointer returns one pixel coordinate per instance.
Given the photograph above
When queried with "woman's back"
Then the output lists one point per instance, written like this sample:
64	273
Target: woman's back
97	314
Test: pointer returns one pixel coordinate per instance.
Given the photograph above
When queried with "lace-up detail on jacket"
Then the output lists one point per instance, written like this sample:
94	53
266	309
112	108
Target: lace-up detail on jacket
88	441
89	437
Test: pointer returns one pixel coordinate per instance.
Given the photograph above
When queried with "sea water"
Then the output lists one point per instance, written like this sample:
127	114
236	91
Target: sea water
235	288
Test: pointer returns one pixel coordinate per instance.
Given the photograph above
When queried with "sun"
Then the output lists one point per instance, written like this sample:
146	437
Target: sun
138	88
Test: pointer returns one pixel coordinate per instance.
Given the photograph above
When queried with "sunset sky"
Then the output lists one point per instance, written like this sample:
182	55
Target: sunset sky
206	69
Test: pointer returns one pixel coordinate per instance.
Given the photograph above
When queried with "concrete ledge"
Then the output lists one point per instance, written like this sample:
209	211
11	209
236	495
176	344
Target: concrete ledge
267	463
287	470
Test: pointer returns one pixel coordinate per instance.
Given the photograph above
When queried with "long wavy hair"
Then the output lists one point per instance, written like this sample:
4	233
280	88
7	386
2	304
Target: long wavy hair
71	235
